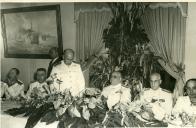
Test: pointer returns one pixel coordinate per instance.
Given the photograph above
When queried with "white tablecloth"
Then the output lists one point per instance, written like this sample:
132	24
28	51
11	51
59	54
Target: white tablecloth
8	121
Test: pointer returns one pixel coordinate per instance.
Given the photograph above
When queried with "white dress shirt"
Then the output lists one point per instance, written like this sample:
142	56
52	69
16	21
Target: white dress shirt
71	77
116	94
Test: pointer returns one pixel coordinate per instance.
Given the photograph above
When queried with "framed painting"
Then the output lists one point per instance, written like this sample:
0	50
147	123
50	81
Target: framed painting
29	32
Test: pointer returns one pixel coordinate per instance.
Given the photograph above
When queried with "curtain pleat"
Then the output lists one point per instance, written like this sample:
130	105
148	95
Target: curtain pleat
89	30
165	28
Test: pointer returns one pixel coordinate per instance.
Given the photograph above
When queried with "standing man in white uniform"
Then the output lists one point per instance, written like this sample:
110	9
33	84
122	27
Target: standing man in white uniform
68	75
160	100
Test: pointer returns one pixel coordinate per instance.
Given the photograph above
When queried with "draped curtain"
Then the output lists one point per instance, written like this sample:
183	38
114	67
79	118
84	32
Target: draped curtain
89	30
166	30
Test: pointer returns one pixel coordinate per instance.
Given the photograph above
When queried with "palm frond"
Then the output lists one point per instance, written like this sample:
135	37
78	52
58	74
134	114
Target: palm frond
16	111
49	117
38	114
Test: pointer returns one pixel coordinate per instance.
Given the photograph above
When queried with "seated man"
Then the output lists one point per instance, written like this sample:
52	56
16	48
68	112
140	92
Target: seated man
39	87
116	93
159	100
12	87
67	75
186	104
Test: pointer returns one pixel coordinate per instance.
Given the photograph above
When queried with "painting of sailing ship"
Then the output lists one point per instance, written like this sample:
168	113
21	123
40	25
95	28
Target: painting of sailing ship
31	32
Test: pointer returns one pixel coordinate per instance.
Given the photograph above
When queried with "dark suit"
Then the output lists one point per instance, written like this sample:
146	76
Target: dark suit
51	64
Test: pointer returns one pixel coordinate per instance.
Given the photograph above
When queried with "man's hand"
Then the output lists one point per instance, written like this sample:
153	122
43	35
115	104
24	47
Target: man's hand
148	107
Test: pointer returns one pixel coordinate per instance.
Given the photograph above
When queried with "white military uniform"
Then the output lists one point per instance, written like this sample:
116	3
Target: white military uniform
160	101
40	86
15	90
71	76
183	104
116	94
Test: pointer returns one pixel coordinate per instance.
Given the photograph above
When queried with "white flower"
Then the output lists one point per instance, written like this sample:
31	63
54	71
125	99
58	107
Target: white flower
85	112
73	112
91	105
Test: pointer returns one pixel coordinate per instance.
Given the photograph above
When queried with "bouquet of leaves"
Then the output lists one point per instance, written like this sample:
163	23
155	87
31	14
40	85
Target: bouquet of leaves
44	109
86	111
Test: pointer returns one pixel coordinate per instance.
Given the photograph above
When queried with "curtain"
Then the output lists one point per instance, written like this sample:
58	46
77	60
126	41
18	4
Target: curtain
165	28
89	30
181	5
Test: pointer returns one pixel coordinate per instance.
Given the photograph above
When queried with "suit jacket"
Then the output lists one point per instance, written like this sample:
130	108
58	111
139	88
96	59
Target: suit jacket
51	64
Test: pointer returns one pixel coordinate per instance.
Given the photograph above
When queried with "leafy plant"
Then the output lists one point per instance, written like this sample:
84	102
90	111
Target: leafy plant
128	46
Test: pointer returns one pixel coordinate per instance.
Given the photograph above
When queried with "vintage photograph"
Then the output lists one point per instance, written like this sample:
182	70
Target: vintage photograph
98	64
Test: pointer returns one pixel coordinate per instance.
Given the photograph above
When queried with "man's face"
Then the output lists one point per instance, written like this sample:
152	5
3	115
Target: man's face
68	57
155	82
41	76
191	88
115	78
53	54
12	74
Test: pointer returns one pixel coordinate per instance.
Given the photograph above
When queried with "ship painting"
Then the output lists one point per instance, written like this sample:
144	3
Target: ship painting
30	33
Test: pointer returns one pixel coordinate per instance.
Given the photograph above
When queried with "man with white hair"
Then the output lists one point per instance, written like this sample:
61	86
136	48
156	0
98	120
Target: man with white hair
160	100
67	75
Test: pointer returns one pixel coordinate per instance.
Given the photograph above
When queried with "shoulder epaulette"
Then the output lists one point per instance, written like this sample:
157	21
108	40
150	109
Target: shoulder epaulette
76	62
145	89
165	90
124	86
32	81
19	82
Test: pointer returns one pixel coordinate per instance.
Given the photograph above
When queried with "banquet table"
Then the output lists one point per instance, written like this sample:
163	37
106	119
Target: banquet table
8	121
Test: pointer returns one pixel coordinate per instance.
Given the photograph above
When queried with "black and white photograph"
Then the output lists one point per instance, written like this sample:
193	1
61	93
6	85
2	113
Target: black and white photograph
108	64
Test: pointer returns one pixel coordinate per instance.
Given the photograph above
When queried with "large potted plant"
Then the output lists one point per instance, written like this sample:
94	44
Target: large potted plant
128	47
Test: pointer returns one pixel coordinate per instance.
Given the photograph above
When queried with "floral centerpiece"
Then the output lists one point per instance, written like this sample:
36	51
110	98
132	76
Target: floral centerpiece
87	110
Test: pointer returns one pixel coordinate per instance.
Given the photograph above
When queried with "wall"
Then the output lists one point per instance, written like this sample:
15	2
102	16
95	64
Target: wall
28	66
190	46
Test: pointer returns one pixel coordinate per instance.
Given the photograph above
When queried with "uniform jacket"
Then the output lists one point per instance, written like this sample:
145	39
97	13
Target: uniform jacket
115	94
69	76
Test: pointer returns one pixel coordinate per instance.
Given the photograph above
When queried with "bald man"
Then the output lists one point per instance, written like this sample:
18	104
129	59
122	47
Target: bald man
159	100
116	93
68	75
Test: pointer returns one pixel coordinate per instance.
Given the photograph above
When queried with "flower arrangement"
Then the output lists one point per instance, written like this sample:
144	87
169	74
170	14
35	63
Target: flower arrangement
87	110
